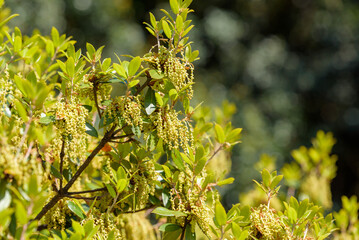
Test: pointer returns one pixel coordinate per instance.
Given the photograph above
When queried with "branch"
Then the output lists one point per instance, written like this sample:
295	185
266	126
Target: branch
123	136
62	155
77	174
96	101
87	191
83	198
53	184
214	154
145	84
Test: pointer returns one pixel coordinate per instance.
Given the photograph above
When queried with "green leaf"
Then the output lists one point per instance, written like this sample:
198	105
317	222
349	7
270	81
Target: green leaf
179	24
55	172
21	110
106	63
20	212
133	83
159	99
55	37
150	101
120	70
121	185
136	130
90	130
78	228
17	44
244	235
110	190
5	198
75	209
153	21
174	6
169	227
189	235
219	133
236	230
220	214
168	213
173	94
225	181
166	29
292	215
176	157
234	135
91	51
134	66
200	165
151	142
266	177
70	67
302	207
155	75
275	181
33	186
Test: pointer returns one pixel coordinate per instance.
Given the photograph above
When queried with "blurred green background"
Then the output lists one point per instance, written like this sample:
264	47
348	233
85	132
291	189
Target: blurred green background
290	66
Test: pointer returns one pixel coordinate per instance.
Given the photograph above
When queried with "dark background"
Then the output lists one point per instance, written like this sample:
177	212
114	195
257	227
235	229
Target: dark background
290	66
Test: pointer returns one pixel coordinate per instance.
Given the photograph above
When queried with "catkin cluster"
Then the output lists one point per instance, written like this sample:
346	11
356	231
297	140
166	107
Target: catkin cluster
189	197
70	135
266	225
126	110
103	90
180	74
173	131
108	225
55	218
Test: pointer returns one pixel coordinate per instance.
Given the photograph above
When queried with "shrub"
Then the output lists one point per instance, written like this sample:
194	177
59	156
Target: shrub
92	148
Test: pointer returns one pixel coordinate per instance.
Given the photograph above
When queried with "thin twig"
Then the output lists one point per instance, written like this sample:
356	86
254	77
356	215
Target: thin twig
87	191
145	84
77	174
123	136
96	101
62	155
83	198
214	154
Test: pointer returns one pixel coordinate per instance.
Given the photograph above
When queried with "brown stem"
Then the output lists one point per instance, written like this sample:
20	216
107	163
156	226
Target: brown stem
145	84
77	174
123	136
184	229
62	155
103	142
83	198
214	154
87	191
96	101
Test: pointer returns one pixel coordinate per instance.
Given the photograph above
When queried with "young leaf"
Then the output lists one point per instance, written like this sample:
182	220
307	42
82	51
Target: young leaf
166	29
168	213
90	130
220	214
134	66
75	209
219	133
120	70
150	101
133	83
21	110
111	190
275	181
169	227
174	6
225	181
266	177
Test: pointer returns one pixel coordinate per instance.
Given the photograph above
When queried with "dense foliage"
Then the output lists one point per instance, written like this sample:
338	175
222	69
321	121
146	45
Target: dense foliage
92	148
